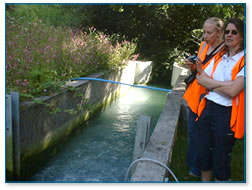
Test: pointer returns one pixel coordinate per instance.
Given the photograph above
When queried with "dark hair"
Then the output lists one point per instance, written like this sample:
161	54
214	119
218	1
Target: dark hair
239	24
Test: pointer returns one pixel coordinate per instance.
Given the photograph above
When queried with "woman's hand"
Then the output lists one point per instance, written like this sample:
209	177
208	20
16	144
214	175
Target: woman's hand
233	88
209	83
190	64
198	65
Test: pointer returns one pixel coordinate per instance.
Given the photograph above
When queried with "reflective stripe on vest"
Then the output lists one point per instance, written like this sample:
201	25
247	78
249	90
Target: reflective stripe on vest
203	50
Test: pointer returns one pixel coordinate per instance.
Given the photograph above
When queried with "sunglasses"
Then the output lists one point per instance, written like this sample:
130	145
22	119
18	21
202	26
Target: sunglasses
234	32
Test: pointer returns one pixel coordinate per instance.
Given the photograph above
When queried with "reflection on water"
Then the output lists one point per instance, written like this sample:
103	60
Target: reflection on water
103	150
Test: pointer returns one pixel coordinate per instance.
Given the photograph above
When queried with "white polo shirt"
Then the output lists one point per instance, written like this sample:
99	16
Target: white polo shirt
223	72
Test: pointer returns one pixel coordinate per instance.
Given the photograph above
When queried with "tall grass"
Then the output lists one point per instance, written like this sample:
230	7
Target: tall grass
178	162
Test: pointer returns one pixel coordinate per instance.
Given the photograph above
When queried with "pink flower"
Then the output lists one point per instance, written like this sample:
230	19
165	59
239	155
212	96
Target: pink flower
92	29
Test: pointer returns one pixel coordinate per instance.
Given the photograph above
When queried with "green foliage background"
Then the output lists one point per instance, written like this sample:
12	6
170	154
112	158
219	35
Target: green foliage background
43	50
164	33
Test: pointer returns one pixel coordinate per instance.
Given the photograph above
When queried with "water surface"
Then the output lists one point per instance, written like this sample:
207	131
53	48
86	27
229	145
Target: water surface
102	150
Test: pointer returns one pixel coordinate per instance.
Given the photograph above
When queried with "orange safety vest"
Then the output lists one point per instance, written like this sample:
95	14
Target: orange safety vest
194	90
237	114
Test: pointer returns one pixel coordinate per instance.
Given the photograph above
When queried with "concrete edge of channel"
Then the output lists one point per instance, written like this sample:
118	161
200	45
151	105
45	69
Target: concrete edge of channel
161	141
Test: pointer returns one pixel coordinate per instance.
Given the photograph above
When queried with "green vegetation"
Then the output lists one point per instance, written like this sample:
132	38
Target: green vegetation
181	170
165	32
47	44
40	56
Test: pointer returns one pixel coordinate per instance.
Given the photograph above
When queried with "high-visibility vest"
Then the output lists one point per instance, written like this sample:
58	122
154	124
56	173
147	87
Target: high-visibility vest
194	90
237	114
202	103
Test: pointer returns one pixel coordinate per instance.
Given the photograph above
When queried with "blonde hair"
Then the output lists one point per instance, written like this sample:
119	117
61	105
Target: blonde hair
219	24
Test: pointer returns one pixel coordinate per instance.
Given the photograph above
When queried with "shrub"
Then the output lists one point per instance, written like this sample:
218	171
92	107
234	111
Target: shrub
50	14
39	57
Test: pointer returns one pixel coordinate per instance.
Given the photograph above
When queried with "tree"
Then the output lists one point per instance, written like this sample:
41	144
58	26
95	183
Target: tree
164	31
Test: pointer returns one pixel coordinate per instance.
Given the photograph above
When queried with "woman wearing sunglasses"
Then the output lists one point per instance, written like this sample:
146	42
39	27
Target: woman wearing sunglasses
213	42
221	111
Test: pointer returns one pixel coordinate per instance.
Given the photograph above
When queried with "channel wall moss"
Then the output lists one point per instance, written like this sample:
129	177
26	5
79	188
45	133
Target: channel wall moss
41	151
9	158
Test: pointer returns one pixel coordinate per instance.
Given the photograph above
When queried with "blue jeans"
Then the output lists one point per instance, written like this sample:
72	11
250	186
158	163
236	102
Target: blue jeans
192	143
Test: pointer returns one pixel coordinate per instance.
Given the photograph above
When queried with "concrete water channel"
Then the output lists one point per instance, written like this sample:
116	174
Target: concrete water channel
102	149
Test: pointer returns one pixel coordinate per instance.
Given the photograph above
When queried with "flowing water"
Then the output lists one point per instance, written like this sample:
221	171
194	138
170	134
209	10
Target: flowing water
102	150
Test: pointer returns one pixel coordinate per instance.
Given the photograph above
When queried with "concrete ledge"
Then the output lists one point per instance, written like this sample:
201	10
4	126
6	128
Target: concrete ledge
143	71
161	142
53	118
177	71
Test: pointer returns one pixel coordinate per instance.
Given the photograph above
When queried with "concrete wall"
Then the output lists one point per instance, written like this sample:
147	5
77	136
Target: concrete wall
49	122
143	71
176	72
9	138
162	139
